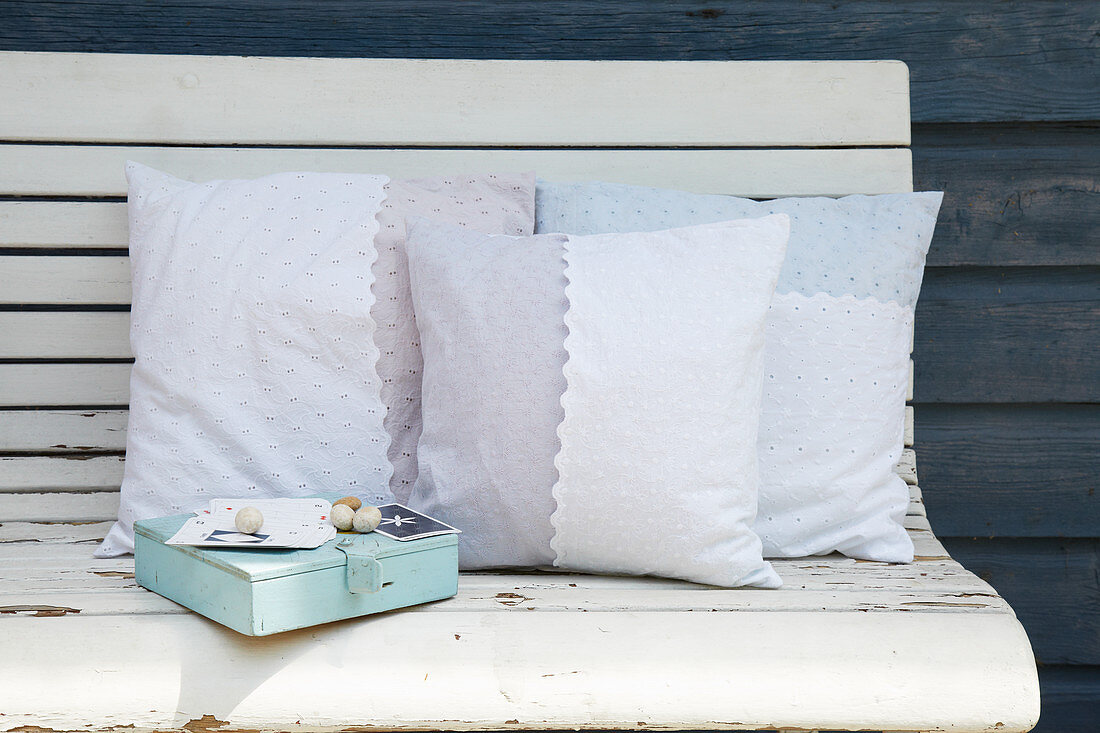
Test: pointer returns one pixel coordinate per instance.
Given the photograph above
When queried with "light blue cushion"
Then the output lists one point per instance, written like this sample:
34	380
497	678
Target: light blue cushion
866	246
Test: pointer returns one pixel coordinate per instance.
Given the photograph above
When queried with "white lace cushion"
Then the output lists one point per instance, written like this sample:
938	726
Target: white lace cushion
494	203
831	433
657	468
253	343
490	312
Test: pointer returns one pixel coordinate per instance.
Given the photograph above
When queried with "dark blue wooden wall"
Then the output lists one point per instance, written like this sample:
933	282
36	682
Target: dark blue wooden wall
1006	104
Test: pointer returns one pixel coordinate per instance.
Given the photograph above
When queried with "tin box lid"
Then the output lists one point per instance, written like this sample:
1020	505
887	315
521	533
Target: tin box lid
255	565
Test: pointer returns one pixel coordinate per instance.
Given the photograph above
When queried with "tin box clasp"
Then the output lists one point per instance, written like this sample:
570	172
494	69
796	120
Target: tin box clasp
364	571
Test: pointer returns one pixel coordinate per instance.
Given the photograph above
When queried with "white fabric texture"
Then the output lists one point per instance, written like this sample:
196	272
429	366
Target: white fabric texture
826	485
494	203
832	428
251	329
491	313
657	468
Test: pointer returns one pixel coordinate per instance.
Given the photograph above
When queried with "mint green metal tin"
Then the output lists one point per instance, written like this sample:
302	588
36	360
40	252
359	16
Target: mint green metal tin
261	592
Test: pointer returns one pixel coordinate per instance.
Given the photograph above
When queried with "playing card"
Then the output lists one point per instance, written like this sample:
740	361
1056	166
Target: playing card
401	523
288	523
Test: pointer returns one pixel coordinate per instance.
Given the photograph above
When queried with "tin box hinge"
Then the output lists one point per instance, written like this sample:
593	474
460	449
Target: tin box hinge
364	571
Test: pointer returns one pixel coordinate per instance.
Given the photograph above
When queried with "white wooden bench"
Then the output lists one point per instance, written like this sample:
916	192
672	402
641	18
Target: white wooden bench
844	645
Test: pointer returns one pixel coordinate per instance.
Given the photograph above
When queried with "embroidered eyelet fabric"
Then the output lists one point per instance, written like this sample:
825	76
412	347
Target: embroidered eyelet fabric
657	467
492	313
502	203
866	253
491	317
253	342
866	246
832	428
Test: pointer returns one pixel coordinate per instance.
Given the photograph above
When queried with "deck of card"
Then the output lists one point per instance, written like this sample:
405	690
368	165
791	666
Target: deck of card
288	523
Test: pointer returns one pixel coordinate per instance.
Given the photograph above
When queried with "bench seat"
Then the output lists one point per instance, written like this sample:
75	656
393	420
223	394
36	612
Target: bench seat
926	646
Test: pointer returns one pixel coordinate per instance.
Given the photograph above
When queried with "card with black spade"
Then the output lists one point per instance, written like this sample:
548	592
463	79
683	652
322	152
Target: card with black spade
401	523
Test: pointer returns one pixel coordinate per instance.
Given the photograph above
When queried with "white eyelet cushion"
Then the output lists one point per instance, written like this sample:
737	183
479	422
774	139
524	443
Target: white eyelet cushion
491	314
865	248
657	465
253	343
832	428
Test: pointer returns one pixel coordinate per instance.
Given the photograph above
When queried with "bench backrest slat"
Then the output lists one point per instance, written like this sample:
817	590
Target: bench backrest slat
87	171
69	121
399	102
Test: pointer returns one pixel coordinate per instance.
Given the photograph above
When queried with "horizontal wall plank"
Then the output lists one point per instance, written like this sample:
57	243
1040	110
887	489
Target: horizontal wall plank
97	170
60	335
1011	470
42	431
51	473
53	532
1071	699
453	102
1013	60
1008	335
1053	585
64	384
1013	195
63	224
98	506
64	280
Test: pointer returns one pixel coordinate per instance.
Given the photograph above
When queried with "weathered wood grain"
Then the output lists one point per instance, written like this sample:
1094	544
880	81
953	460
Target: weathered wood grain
82	431
1011	470
1013	194
1053	585
72	472
96	506
1013	60
999	335
475	670
54	532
